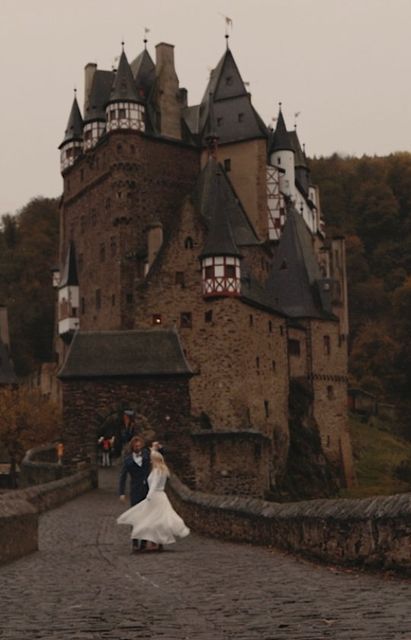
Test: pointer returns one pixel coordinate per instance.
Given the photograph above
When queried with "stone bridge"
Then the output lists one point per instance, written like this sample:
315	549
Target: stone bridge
83	584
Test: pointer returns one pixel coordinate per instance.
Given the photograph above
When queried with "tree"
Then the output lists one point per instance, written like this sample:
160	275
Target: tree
27	419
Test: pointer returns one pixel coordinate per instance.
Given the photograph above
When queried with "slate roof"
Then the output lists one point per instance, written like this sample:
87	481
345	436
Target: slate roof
99	96
7	374
295	282
124	87
69	277
74	129
144	71
300	159
147	352
281	139
234	115
220	239
214	188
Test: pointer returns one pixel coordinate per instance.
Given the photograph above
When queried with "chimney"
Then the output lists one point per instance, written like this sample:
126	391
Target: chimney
89	71
154	241
168	92
4	327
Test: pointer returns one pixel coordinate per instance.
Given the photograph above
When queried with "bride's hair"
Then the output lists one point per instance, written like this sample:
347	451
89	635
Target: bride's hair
157	461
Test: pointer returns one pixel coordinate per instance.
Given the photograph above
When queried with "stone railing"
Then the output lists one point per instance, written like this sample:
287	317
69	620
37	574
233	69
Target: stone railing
367	533
39	466
19	511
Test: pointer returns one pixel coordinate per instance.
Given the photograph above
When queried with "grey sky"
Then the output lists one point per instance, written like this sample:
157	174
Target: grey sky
344	64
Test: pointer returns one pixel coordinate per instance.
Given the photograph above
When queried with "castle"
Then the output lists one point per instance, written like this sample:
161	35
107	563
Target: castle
196	281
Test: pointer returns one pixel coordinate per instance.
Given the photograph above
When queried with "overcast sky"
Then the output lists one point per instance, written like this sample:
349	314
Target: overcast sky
343	64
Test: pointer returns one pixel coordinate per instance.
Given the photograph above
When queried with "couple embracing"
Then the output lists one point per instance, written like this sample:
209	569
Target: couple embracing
151	515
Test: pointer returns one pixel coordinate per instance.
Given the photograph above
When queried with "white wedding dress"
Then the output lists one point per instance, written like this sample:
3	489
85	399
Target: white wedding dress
154	518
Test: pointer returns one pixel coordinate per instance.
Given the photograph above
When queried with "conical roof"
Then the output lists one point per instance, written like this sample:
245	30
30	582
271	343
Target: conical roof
144	73
215	192
74	129
124	87
69	276
300	159
281	140
295	278
220	240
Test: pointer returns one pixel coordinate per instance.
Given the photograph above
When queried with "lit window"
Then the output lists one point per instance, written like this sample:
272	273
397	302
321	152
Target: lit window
156	318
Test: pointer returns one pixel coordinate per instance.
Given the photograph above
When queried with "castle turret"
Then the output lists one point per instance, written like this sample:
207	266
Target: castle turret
281	154
125	109
72	144
68	297
302	172
220	257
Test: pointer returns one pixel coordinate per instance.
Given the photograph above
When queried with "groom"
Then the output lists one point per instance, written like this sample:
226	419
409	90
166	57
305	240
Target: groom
137	466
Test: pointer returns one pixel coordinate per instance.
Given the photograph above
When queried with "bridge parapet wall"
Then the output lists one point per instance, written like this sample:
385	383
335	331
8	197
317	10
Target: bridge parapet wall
368	533
19	511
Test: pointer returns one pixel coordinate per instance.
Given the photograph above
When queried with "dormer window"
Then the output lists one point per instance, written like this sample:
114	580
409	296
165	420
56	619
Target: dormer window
229	81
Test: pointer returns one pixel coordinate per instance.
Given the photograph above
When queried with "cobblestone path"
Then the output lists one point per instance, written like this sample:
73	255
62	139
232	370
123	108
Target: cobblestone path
83	584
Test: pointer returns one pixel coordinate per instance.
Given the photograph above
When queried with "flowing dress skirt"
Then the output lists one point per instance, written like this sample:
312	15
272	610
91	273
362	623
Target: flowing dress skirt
155	520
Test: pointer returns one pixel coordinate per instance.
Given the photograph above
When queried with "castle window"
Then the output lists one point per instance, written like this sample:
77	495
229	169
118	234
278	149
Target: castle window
328	441
274	365
209	272
229	271
270	326
229	80
283	265
227	164
281	330
241	117
121	114
119	147
327	345
156	318
102	252
186	320
69	152
82	306
98	299
330	392
188	243
112	114
129	298
279	160
266	408
208	316
87	135
179	279
251	320
132	148
294	347
113	300
257	362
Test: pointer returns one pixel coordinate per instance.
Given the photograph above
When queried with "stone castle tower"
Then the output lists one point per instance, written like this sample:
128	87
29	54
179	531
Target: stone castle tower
197	281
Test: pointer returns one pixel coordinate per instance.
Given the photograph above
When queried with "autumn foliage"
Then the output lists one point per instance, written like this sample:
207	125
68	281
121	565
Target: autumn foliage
26	420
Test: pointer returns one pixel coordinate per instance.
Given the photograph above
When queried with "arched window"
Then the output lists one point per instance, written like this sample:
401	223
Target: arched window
188	243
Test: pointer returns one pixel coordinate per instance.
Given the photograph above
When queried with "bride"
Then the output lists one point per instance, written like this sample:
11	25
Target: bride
154	519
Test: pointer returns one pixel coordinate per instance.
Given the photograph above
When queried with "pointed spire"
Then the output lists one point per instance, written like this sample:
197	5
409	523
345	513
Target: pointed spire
74	129
124	88
281	139
220	240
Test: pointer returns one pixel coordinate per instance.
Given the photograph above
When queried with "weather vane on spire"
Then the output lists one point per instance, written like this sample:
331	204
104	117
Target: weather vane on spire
146	31
297	113
228	26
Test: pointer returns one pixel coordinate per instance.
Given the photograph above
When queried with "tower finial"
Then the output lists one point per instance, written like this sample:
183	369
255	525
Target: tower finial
146	31
228	24
122	45
280	104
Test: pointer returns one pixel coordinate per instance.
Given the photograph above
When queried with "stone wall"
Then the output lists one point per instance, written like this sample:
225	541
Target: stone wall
19	511
369	533
163	400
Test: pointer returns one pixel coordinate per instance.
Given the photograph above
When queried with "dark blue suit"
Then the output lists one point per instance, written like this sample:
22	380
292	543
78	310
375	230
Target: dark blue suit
138	477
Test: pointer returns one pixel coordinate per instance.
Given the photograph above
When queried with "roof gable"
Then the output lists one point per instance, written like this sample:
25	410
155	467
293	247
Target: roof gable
149	352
